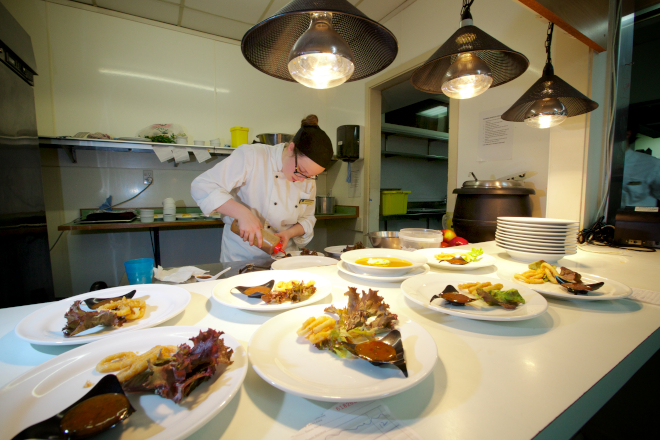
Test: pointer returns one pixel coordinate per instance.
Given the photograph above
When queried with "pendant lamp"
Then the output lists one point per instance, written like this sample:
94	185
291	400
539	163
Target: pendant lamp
319	43
550	100
469	63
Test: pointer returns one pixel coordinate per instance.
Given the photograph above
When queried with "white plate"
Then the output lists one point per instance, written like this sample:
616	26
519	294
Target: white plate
335	251
52	386
422	288
539	226
44	326
538	220
610	290
524	234
351	257
296	254
222	290
430	253
187	216
534	229
343	267
530	257
293	263
523	245
544	250
292	364
537	240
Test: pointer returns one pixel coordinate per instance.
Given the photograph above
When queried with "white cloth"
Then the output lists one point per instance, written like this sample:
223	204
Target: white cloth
252	175
177	275
641	179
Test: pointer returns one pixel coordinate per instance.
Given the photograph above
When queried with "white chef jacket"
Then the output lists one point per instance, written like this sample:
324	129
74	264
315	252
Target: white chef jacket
252	175
641	179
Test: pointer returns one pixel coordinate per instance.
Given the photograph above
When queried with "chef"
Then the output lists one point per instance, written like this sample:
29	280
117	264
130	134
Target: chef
273	187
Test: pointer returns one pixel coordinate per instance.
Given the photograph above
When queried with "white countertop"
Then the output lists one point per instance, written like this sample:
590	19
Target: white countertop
496	380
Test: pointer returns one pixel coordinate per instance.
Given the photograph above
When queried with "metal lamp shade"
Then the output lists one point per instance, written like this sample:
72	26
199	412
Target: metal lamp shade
550	86
504	63
266	46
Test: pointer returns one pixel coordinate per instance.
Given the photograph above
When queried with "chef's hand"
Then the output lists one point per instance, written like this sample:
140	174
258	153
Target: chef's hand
250	228
284	238
294	231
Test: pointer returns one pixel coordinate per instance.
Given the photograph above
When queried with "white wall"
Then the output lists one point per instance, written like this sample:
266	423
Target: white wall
108	74
426	24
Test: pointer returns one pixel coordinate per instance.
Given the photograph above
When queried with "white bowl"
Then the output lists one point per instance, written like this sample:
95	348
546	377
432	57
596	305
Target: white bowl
417	260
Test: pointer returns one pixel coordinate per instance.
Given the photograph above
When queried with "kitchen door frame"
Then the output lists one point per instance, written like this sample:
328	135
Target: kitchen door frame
373	108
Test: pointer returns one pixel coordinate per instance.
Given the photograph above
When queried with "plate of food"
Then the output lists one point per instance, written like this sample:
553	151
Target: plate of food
564	283
310	352
383	262
73	320
175	411
301	262
271	290
304	252
459	260
336	251
474	297
345	268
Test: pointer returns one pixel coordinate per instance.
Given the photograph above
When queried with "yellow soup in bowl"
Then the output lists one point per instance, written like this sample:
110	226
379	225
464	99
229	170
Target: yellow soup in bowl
383	262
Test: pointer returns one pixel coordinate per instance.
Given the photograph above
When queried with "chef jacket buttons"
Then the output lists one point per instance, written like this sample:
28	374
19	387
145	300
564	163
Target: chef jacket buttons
296	206
268	226
276	176
276	203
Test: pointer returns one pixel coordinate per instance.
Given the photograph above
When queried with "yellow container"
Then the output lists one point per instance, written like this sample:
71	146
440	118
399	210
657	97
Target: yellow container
239	136
394	202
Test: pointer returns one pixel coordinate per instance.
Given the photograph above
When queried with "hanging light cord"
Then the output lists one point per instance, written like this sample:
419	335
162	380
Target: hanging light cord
465	10
548	42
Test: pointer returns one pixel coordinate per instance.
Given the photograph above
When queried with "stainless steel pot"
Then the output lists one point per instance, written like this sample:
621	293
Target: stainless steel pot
325	205
274	138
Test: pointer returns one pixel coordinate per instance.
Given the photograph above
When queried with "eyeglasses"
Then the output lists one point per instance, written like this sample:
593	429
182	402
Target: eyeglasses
298	173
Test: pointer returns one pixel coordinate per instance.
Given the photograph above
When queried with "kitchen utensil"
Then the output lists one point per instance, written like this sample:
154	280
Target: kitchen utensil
480	202
201	278
325	205
385	239
274	138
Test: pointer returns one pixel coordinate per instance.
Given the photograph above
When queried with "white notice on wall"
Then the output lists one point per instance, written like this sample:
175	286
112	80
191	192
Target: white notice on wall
495	136
355	186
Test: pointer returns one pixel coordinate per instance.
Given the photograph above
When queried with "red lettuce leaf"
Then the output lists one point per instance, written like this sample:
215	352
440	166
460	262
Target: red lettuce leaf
78	320
176	377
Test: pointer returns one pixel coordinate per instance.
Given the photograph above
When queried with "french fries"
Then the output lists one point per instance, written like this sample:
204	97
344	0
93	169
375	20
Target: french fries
536	276
317	329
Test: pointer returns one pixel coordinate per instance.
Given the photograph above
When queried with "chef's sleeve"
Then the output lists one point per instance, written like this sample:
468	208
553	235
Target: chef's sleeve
212	188
307	221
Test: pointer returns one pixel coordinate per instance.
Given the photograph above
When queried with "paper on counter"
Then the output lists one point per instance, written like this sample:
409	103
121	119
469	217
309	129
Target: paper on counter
180	154
357	420
163	153
178	275
647	296
201	154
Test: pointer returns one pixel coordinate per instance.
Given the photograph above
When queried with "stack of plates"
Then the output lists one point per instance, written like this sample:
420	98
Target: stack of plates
531	238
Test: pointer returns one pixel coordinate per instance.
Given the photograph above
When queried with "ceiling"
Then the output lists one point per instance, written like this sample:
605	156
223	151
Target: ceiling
228	18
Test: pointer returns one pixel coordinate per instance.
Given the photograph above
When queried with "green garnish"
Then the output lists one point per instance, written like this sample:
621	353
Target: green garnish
163	139
473	255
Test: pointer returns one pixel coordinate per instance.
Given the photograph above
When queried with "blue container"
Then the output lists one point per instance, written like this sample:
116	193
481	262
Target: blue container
139	271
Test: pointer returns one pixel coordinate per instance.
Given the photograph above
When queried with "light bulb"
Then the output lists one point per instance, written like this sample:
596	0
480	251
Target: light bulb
321	58
546	113
467	77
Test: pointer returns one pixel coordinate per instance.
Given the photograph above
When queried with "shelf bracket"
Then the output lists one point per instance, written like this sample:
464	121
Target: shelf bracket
71	152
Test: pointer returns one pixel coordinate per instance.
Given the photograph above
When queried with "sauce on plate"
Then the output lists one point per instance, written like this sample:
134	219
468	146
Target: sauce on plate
376	351
257	289
94	415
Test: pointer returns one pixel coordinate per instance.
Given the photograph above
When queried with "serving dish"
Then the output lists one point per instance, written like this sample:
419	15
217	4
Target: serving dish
351	257
484	260
301	262
345	268
44	326
422	288
223	293
291	364
58	382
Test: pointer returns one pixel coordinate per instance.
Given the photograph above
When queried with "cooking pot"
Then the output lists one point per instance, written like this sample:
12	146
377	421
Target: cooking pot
274	138
480	202
325	205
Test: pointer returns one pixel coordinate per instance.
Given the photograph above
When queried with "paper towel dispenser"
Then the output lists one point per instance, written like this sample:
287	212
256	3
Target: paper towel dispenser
350	140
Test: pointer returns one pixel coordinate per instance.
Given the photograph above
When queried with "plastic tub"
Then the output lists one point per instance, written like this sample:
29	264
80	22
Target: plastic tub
417	238
239	136
394	202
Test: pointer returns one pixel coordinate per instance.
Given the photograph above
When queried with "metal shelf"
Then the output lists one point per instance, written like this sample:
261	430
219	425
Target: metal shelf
414	132
417	156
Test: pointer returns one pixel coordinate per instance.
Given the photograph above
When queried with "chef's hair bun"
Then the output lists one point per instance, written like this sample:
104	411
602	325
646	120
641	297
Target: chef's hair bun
310	121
